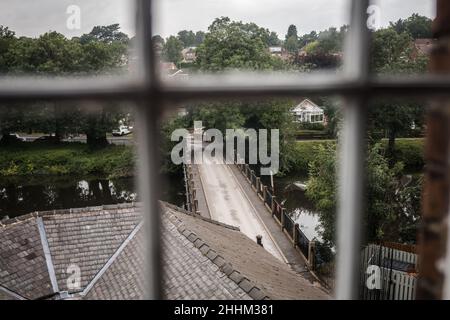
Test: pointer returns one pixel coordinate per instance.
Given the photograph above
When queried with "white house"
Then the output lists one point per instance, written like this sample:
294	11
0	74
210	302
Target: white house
309	112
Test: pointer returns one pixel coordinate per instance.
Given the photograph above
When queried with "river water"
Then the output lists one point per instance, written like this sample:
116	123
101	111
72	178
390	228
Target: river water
19	195
299	208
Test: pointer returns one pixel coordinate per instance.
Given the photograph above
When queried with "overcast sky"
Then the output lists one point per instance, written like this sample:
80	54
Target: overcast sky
34	17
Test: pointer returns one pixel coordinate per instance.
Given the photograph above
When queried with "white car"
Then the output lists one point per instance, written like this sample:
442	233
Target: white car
122	131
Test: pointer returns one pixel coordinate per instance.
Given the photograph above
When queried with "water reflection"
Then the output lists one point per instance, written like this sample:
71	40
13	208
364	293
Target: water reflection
298	206
20	196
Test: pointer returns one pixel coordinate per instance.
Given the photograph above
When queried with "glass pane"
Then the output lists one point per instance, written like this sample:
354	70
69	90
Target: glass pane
68	201
66	37
402	38
394	197
223	36
281	194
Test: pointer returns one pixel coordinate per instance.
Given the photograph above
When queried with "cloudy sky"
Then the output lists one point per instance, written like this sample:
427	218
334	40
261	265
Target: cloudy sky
31	17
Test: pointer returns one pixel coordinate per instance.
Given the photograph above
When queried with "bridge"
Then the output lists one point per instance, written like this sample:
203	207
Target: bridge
233	194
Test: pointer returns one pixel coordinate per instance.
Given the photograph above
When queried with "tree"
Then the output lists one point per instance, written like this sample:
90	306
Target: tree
307	38
292	32
416	26
273	40
291	44
199	38
158	40
172	50
390	203
7	37
392	53
107	34
235	45
187	38
104	50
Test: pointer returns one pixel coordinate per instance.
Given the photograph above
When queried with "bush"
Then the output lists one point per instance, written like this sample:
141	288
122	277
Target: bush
305	152
66	159
410	152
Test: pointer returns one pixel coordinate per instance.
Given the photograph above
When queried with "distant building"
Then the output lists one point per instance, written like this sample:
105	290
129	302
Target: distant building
279	52
309	112
276	51
189	54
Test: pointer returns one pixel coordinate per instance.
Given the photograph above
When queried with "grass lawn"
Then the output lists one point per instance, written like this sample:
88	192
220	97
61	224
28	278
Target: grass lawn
407	150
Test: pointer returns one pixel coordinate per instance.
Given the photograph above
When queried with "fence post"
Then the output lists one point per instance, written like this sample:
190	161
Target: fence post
258	182
273	205
282	219
311	254
196	206
295	233
252	173
264	194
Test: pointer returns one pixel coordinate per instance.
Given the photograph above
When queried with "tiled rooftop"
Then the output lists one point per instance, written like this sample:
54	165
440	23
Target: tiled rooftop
202	259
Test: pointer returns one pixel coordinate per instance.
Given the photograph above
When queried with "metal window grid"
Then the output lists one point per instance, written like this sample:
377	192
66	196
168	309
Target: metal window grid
356	85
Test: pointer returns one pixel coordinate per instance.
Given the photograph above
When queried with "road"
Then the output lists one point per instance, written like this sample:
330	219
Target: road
228	204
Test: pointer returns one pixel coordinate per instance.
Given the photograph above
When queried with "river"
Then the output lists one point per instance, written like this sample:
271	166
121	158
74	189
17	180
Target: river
19	195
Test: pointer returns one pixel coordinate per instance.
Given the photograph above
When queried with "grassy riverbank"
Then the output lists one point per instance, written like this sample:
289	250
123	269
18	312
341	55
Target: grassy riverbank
409	151
31	159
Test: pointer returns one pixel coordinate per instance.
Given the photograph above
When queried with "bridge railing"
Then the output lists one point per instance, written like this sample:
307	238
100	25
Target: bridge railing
279	213
316	254
191	191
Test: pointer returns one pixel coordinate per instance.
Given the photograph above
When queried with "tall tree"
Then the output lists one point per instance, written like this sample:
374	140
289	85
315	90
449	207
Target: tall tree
172	50
392	54
292	32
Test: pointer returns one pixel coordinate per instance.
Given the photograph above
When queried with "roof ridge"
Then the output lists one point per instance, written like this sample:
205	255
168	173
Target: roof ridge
246	284
36	214
111	260
197	216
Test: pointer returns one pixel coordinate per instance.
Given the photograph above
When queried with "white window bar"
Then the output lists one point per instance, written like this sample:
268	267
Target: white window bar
355	85
351	171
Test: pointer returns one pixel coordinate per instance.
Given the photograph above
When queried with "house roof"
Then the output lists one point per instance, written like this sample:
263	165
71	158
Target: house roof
307	106
424	46
202	258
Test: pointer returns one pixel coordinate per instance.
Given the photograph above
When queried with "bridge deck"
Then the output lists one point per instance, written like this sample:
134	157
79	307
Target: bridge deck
228	204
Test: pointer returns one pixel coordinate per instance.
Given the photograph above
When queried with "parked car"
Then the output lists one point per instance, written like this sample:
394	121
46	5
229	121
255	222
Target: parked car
121	131
17	137
48	138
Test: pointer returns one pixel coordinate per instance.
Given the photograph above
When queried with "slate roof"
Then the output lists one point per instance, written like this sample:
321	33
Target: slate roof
23	269
202	259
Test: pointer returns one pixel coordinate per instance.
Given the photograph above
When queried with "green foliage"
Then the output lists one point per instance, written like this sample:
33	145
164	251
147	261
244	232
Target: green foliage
235	45
292	32
66	159
102	51
410	152
416	26
307	151
393	207
167	127
291	44
172	50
